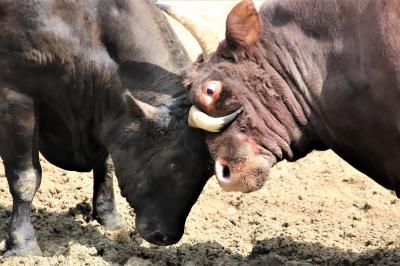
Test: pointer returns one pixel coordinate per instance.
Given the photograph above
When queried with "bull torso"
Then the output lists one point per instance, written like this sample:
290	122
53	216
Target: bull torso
342	60
51	62
65	55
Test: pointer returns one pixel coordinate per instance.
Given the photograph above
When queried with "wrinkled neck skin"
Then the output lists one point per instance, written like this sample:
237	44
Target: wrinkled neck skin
284	103
296	61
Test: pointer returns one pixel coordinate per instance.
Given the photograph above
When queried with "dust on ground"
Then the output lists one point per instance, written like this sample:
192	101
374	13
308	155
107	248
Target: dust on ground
316	211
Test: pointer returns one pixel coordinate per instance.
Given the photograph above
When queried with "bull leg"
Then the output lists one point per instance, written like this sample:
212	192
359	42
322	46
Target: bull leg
20	154
104	209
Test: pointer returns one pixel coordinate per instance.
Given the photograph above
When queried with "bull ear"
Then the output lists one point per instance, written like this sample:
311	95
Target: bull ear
243	27
140	108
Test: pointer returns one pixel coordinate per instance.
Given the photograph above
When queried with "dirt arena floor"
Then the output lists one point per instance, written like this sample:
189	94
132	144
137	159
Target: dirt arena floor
317	211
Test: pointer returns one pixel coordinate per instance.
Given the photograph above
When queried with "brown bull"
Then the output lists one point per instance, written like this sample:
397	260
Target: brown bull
317	74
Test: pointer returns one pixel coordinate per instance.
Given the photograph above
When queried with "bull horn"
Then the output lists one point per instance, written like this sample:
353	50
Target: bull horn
198	27
198	119
140	108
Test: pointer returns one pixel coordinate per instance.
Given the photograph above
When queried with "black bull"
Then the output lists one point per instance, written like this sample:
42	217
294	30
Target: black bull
71	76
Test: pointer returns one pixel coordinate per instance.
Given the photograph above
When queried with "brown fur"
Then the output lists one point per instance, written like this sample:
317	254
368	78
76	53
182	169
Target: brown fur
322	74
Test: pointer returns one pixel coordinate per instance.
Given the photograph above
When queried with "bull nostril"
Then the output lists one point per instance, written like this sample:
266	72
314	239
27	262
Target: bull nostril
226	173
222	172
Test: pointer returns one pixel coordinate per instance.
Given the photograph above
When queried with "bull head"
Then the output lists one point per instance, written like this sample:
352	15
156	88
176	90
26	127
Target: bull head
208	41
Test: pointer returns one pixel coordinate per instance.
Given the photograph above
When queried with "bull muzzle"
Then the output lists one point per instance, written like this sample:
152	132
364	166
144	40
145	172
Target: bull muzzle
198	119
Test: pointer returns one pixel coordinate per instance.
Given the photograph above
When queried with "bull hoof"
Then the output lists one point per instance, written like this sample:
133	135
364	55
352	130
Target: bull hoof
110	221
30	248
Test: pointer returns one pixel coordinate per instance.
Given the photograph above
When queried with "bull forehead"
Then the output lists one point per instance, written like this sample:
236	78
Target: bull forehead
243	73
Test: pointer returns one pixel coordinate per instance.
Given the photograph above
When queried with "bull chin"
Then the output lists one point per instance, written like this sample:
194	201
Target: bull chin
249	183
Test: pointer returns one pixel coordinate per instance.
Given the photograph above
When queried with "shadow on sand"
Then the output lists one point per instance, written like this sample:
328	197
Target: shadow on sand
56	232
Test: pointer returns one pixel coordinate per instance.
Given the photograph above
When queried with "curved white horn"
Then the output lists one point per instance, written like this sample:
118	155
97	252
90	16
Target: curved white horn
198	27
198	119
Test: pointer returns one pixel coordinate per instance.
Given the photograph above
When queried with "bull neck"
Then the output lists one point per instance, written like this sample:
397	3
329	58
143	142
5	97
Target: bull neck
292	87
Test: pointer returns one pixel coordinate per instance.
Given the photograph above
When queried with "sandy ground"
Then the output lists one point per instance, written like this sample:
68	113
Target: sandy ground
316	211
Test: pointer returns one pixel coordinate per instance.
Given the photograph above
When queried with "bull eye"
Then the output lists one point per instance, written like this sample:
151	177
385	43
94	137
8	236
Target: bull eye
212	87
210	91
